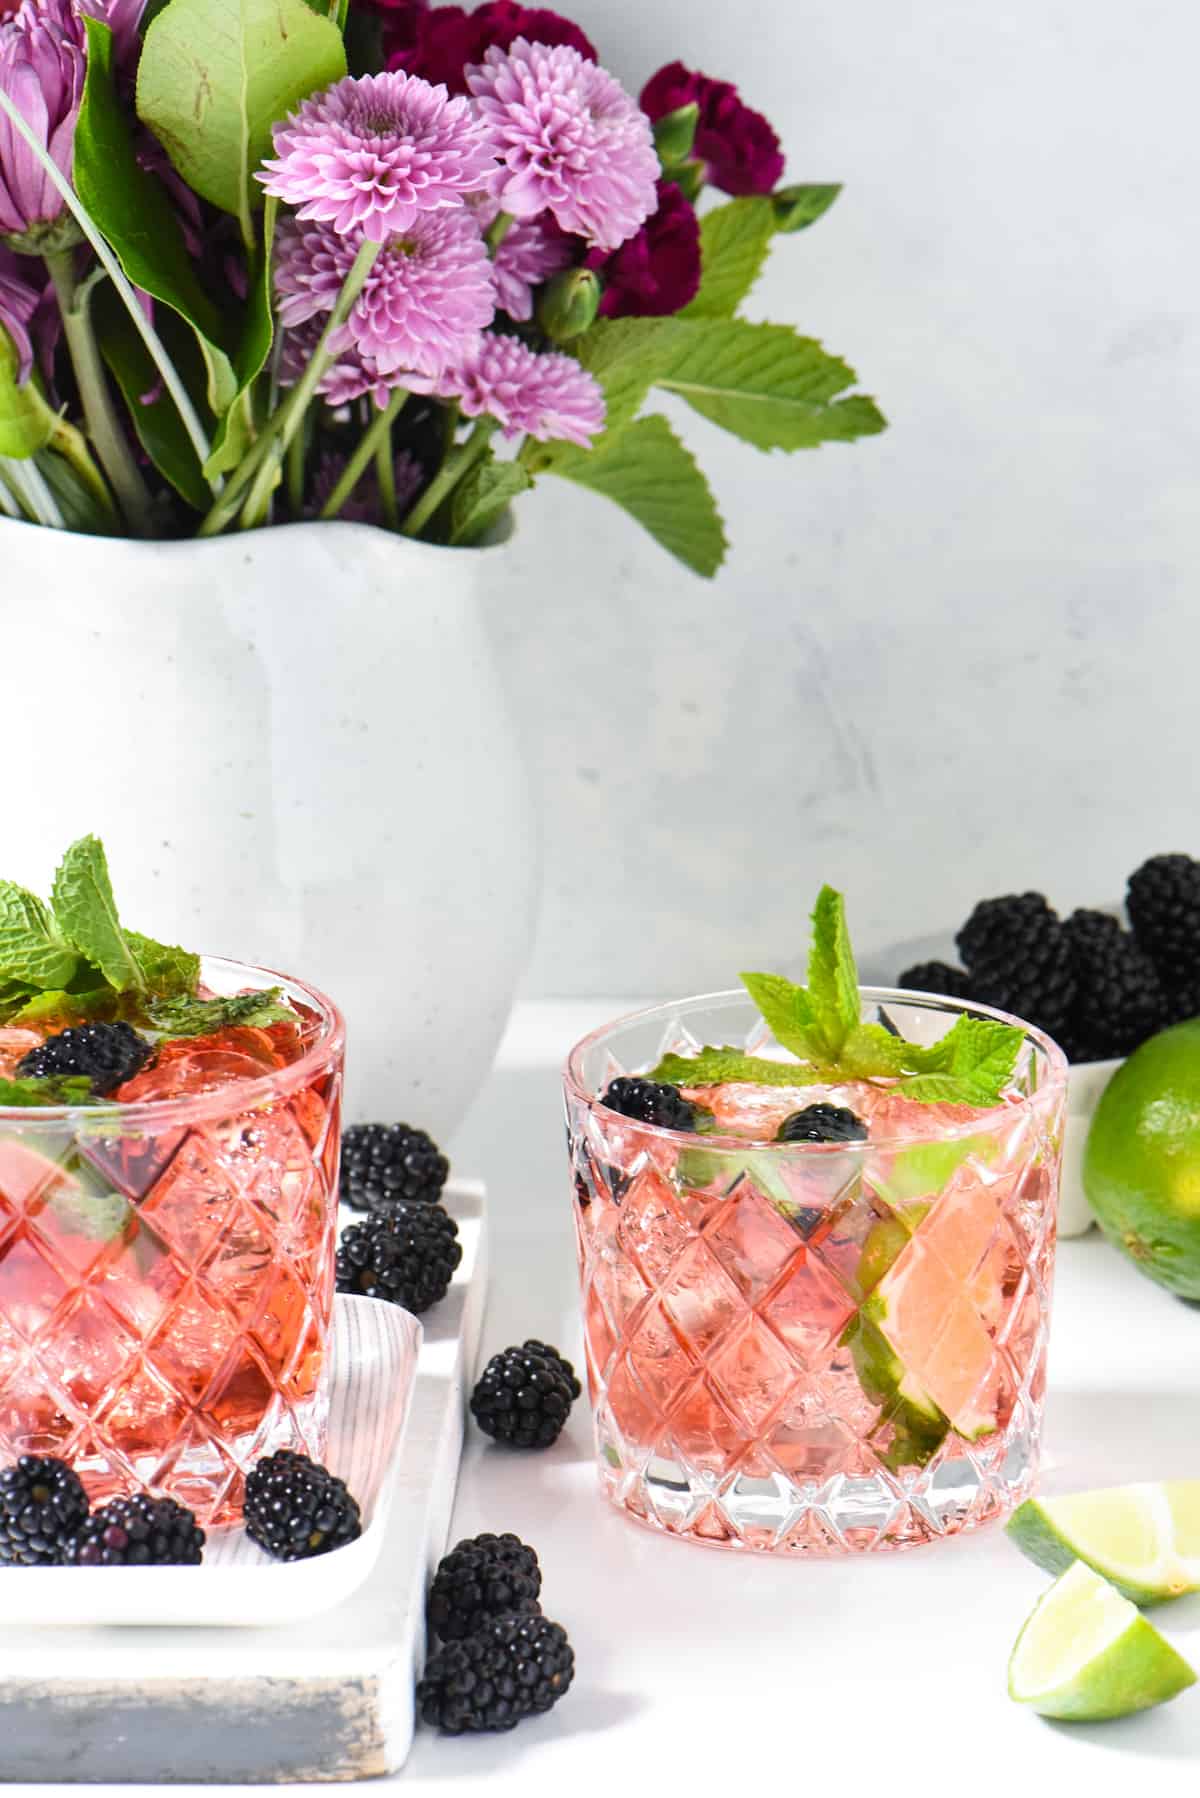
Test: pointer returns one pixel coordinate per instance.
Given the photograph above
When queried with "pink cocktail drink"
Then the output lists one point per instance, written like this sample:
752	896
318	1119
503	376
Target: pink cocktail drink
167	1257
814	1347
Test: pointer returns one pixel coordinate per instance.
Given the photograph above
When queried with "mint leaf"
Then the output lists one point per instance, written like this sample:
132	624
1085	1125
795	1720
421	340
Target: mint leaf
871	1053
96	1216
712	1067
734	240
977	1053
201	1017
86	914
167	971
767	384
832	975
32	951
923	1171
70	1089
64	1009
646	470
786	1007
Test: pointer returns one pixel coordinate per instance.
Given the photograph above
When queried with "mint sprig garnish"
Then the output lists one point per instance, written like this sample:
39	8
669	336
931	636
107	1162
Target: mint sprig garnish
73	959
201	1017
65	1089
821	1026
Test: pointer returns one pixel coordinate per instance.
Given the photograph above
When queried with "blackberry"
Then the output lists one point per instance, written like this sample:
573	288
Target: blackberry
822	1123
510	1668
1018	958
483	1577
524	1395
108	1054
936	977
138	1532
647	1102
388	1164
1119	1000
296	1509
1163	901
42	1505
407	1255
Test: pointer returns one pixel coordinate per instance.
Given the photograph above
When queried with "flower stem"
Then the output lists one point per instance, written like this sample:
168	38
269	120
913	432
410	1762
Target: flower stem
71	445
261	462
377	437
108	440
295	474
457	464
385	480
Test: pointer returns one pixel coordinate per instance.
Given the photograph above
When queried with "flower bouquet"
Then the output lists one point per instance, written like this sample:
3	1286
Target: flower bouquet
271	260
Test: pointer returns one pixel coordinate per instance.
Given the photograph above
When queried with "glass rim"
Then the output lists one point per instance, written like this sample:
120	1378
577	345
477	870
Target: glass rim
152	1115
1055	1079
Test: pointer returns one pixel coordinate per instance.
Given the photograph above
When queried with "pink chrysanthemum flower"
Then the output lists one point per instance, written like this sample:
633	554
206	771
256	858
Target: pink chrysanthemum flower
41	70
569	140
549	396
374	153
530	253
348	378
427	297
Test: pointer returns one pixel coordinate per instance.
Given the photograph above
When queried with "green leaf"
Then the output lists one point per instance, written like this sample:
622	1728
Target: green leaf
235	431
131	208
713	1066
200	1017
152	412
734	241
480	499
86	914
871	1052
832	975
786	1008
32	950
766	384
70	1089
647	470
971	1065
78	503
215	75
924	1170
168	972
798	207
27	422
62	1008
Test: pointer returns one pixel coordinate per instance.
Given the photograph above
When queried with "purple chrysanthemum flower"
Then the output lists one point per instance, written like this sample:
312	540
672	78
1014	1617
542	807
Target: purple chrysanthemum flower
350	377
18	303
549	396
440	42
41	71
739	149
658	271
365	505
529	254
122	18
428	295
569	140
374	153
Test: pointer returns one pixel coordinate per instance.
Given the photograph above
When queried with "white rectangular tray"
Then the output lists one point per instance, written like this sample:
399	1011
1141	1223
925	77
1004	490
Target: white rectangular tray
330	1698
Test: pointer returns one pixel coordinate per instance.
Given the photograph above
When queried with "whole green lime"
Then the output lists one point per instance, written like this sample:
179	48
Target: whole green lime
1141	1164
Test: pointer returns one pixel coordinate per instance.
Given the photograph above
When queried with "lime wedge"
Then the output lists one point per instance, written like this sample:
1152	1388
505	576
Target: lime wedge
1086	1654
1145	1539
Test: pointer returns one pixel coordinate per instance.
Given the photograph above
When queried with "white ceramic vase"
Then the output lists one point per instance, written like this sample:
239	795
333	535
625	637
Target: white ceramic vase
295	748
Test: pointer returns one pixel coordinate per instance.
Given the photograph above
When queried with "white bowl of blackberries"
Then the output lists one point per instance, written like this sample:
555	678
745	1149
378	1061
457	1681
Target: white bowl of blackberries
1100	982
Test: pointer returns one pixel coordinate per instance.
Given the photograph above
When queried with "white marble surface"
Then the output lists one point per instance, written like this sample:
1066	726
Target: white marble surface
941	663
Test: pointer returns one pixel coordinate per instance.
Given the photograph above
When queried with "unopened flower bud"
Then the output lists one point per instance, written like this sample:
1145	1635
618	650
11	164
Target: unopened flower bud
798	207
568	304
675	133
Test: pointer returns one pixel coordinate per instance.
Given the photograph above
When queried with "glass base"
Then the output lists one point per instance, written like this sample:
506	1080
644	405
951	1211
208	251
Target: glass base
964	1490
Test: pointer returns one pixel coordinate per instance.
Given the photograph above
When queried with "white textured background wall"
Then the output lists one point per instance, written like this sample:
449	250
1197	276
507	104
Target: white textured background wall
944	662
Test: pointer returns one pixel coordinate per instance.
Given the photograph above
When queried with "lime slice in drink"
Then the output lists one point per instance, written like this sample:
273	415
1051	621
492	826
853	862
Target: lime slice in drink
1145	1539
1086	1654
931	1304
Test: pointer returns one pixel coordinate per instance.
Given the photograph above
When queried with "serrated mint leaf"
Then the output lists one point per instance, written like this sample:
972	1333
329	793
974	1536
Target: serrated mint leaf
69	1089
202	1017
712	1067
167	971
65	1009
832	975
786	1008
32	951
977	1055
86	914
872	1053
96	1216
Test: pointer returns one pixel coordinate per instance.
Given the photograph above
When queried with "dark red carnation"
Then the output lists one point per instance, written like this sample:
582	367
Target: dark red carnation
657	271
741	151
440	42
